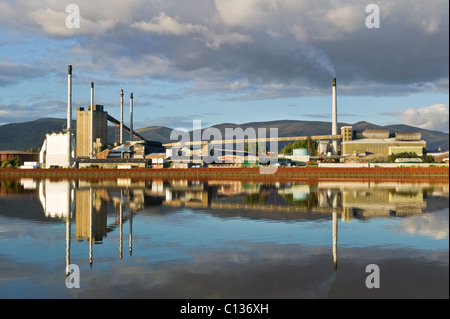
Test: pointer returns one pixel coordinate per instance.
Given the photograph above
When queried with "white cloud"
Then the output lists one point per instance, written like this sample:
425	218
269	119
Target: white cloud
164	24
241	13
434	117
431	225
148	65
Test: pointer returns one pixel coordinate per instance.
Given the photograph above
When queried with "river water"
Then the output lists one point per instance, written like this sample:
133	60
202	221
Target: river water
228	239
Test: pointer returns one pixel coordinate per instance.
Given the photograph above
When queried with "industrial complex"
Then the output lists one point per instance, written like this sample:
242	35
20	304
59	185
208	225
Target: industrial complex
87	146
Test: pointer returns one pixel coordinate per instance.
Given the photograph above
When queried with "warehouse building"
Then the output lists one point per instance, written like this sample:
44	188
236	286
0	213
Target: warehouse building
23	156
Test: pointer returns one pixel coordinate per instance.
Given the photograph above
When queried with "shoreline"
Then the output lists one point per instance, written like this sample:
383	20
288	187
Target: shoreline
282	173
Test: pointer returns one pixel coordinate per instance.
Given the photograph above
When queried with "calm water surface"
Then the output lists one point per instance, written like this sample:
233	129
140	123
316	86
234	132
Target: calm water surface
223	239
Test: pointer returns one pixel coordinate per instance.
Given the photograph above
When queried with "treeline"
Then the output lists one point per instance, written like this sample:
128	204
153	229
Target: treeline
10	163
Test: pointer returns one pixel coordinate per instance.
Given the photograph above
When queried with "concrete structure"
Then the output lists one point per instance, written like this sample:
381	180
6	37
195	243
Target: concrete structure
347	133
380	142
99	122
334	149
121	118
54	150
131	117
322	148
69	117
91	149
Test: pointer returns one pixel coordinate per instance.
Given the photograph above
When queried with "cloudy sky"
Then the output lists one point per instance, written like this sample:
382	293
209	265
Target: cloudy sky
228	60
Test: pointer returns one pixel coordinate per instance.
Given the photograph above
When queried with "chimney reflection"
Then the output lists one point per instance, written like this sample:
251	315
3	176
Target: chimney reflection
335	222
121	224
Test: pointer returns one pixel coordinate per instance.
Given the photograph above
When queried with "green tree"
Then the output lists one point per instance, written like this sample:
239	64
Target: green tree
255	148
427	158
10	163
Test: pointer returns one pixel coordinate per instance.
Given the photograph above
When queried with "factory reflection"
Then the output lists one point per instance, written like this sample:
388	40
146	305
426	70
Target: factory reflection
89	206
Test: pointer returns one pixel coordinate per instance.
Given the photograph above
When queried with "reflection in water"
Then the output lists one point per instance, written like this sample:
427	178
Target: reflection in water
89	208
87	202
217	238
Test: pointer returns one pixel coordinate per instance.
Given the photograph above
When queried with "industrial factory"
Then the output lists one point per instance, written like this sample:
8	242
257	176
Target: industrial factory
87	144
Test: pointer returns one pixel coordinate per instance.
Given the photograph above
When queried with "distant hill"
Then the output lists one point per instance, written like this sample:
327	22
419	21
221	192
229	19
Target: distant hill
434	139
26	135
17	136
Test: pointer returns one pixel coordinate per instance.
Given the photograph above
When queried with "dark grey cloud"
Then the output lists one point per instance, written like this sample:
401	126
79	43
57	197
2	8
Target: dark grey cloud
12	73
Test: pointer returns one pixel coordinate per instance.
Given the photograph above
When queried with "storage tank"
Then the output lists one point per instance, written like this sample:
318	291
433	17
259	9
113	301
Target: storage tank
411	136
301	151
376	133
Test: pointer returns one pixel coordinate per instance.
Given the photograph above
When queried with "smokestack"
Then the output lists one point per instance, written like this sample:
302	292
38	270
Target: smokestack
121	117
69	113
334	117
69	98
92	120
131	117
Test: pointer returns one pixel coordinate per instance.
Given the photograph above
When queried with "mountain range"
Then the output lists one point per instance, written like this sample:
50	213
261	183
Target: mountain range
18	136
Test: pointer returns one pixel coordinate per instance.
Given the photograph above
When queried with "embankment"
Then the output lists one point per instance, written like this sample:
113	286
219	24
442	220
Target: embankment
438	173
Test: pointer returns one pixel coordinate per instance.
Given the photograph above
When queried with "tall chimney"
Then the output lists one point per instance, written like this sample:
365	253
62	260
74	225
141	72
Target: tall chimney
92	120
121	117
334	118
131	117
69	113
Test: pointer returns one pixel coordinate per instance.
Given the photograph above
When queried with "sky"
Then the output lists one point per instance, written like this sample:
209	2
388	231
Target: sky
228	61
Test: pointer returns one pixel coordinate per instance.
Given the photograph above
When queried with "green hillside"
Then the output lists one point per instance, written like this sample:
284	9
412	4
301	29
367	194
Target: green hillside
17	136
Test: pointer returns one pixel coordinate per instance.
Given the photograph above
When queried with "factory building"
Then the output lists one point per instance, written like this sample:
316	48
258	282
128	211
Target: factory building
99	136
55	150
380	142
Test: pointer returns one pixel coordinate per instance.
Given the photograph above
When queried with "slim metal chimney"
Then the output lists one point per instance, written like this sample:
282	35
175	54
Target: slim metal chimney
69	113
121	117
131	117
92	120
334	118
